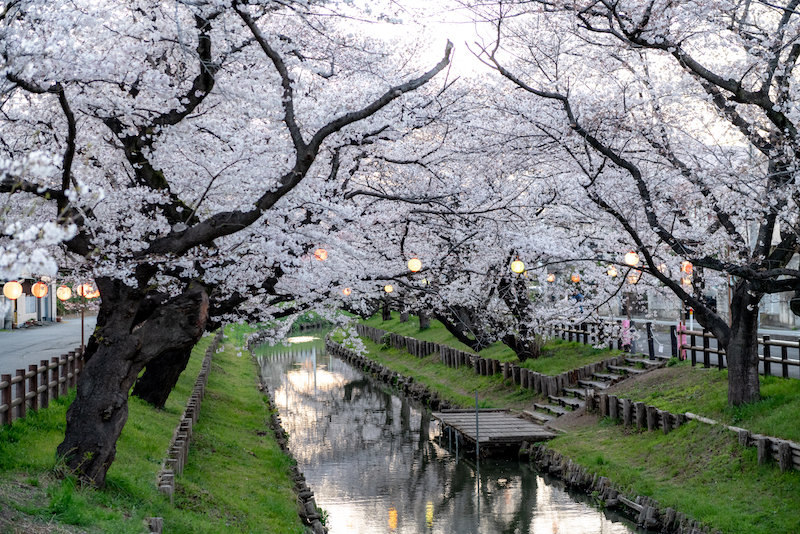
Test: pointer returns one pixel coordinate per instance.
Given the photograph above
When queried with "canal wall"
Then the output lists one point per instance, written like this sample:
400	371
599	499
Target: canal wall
306	505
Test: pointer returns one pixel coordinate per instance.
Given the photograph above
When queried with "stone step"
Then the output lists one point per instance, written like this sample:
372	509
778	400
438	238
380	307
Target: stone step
593	385
626	370
575	392
540	417
553	409
567	401
606	377
646	362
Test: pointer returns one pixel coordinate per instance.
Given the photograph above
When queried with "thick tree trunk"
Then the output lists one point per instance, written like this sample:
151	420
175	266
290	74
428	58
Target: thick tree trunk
524	348
386	312
161	375
424	319
457	328
742	347
99	412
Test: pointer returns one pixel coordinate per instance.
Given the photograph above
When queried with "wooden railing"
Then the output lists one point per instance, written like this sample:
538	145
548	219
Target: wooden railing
35	388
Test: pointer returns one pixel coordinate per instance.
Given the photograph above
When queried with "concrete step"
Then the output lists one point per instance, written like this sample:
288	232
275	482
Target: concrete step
575	392
570	402
553	409
626	370
593	385
646	362
538	416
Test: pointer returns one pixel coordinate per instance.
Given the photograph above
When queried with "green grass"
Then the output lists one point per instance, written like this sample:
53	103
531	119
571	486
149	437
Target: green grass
557	356
698	470
29	484
705	391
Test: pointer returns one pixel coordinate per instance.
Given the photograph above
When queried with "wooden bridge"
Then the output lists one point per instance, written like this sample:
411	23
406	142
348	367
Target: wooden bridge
498	429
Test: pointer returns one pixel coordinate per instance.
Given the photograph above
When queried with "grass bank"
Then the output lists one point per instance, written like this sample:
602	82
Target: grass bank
698	469
36	497
557	355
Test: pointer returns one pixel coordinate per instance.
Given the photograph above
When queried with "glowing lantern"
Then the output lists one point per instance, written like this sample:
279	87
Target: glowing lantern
575	278
87	291
686	280
687	267
414	265
12	290
612	271
551	277
632	259
662	268
634	277
388	288
39	289
321	254
517	266
347	291
63	293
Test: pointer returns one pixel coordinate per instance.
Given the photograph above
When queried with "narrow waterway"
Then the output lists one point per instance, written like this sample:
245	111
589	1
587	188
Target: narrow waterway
375	463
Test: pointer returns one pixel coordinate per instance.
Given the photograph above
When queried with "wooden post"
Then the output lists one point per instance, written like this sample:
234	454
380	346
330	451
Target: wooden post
44	396
764	447
20	394
6	396
53	385
693	342
506	370
706	353
766	356
603	405
641	416
666	424
613	407
33	385
524	378
673	340
63	373
785	457
744	437
627	412
652	418
591	404
785	358
515	370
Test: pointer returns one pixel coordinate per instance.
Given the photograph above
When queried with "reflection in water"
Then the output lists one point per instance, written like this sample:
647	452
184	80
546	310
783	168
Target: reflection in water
375	464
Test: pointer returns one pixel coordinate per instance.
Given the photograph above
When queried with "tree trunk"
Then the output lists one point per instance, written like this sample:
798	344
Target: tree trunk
99	412
161	375
424	319
742	347
524	348
386	312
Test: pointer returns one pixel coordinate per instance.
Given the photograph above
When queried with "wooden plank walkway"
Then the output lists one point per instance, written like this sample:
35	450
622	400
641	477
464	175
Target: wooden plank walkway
497	427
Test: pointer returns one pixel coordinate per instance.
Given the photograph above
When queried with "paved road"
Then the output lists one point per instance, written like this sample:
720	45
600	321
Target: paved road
23	347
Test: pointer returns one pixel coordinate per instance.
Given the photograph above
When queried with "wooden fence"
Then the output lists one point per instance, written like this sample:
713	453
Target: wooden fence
35	388
688	341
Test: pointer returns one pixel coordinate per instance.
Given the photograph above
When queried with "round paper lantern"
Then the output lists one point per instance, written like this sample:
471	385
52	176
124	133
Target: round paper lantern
634	277
551	277
39	289
687	267
575	278
388	288
321	254
63	293
12	290
612	271
517	266
632	259
414	265
347	291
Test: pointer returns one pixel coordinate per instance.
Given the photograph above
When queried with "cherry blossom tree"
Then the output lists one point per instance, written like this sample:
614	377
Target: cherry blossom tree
675	127
208	127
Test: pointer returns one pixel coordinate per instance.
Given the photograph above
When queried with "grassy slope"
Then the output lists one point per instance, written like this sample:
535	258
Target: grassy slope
31	493
557	355
699	470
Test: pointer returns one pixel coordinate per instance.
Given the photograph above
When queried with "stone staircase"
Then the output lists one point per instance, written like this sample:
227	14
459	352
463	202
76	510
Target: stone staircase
573	397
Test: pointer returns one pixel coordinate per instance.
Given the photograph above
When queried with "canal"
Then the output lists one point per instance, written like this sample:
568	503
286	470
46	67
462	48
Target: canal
376	464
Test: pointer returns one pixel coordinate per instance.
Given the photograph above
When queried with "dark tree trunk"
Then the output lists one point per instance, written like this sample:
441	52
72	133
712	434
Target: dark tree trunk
161	375
457	328
741	348
524	348
424	319
124	346
386	312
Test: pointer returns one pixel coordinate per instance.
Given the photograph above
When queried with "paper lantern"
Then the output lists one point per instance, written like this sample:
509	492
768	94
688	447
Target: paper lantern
63	293
687	267
321	254
612	271
632	259
414	265
575	278
12	290
39	289
634	277
517	266
388	288
551	277
347	291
